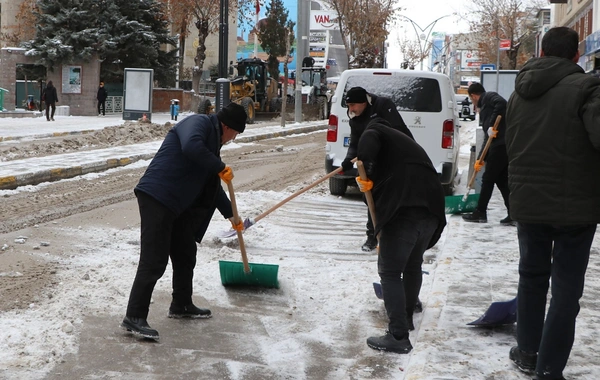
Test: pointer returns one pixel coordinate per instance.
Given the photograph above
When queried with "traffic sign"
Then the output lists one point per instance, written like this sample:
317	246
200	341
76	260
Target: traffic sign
488	67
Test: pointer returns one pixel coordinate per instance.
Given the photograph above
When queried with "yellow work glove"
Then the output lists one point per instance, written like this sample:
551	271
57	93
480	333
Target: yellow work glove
238	227
478	165
365	185
492	133
226	174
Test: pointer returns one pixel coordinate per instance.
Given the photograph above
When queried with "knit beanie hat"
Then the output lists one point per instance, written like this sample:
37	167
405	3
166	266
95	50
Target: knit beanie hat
234	116
356	95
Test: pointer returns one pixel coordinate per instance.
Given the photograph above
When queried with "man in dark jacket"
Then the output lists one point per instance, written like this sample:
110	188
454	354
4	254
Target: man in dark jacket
553	141
101	96
491	105
362	107
177	196
50	97
410	217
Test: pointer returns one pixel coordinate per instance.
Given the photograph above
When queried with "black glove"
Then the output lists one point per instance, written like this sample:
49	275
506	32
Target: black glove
347	165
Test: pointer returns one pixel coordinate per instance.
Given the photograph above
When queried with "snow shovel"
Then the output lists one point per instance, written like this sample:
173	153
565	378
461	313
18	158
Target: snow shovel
498	314
457	204
250	222
236	273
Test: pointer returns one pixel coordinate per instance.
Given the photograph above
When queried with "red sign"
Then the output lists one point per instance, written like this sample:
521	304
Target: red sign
504	45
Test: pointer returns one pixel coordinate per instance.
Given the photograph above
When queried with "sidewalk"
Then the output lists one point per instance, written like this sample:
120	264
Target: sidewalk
32	171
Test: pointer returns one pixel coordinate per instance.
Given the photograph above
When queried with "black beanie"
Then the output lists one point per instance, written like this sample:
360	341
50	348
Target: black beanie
356	95
234	116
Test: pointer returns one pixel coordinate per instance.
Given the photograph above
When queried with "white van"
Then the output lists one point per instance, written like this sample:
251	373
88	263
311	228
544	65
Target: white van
426	103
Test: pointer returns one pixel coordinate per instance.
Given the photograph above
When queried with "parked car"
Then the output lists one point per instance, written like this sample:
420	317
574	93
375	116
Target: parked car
465	107
426	103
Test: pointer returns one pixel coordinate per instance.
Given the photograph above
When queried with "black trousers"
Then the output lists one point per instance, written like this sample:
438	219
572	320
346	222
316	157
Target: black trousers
48	114
496	173
402	243
103	104
163	235
556	256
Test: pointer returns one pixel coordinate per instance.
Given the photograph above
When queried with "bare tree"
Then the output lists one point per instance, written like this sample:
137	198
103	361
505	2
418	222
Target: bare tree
513	20
364	28
412	52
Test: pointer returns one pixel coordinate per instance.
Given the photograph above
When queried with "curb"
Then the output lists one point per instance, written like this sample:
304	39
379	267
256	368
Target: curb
55	174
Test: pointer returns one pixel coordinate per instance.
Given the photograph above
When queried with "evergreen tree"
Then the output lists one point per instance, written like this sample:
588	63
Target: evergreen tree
273	35
121	33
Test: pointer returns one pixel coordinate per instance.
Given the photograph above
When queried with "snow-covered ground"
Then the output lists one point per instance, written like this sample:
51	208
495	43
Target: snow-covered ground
326	298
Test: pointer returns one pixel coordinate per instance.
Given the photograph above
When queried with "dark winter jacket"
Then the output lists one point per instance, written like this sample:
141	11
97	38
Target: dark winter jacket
402	174
102	94
490	105
184	172
49	94
553	144
379	106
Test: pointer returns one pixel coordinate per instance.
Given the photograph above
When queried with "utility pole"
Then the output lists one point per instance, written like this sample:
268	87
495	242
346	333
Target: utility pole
300	53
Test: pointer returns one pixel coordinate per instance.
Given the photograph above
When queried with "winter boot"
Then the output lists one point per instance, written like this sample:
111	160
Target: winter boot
476	217
370	244
189	311
140	327
389	343
525	361
418	306
507	221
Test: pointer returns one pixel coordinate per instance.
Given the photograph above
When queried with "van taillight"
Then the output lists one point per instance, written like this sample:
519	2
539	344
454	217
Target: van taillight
332	129
448	134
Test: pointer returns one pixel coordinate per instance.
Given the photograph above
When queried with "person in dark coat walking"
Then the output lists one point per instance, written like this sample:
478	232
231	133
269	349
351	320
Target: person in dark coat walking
101	97
553	141
491	105
362	107
50	97
177	196
410	217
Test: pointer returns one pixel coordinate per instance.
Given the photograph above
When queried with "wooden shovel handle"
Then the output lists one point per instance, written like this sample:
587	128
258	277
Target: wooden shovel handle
236	220
303	190
485	150
370	202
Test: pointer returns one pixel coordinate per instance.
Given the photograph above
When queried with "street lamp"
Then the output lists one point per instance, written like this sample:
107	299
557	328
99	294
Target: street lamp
425	33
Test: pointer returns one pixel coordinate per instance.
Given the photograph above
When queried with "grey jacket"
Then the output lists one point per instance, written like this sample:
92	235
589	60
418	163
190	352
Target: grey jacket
553	144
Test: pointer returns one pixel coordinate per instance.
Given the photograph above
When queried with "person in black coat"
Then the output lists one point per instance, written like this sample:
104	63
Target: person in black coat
50	97
362	107
101	97
410	217
177	196
490	105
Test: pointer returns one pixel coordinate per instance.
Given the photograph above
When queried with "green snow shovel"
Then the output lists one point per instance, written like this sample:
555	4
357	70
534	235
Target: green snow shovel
244	273
458	204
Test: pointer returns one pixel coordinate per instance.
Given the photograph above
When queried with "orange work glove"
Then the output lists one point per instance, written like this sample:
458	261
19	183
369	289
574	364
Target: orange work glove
492	133
238	227
226	174
365	185
478	165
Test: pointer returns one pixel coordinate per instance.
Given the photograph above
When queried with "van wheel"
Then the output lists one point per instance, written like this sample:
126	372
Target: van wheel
337	186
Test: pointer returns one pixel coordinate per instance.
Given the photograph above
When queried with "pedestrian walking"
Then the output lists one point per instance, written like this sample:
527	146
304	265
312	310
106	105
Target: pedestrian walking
177	196
409	206
362	107
101	97
50	97
491	105
553	145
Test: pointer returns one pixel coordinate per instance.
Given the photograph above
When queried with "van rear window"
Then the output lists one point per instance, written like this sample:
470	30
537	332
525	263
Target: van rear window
408	93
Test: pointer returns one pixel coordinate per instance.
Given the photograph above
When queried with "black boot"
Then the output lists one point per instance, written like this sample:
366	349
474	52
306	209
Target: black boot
189	311
389	343
370	244
525	361
507	221
140	327
476	217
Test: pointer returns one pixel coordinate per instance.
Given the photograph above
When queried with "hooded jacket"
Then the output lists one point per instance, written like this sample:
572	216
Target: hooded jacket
553	144
402	174
377	106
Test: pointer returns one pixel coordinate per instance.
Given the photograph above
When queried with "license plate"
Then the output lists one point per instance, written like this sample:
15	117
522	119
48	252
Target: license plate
347	141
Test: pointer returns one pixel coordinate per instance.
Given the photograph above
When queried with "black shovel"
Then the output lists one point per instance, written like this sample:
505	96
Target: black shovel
498	314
